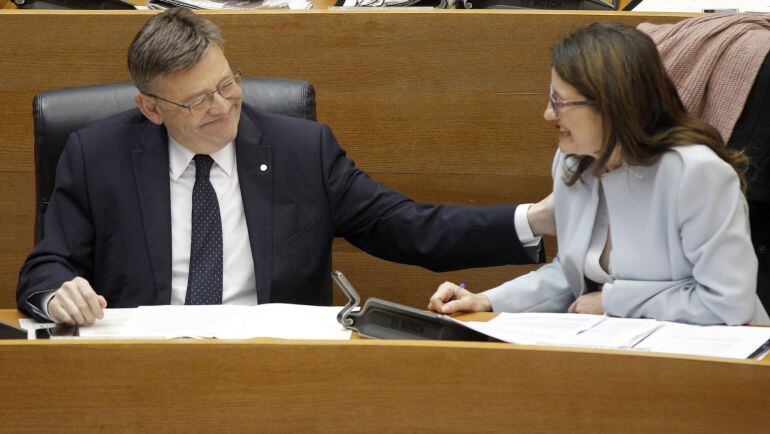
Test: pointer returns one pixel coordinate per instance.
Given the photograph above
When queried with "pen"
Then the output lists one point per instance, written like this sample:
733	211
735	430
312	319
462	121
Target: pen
720	11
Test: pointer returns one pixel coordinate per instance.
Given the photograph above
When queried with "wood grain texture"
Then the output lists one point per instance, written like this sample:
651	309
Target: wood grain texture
317	4
443	106
370	386
10	5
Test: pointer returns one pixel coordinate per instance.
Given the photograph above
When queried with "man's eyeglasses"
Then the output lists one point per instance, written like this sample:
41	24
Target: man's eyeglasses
557	104
226	89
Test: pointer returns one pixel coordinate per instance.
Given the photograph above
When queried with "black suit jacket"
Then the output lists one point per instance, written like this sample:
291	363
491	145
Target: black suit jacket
109	217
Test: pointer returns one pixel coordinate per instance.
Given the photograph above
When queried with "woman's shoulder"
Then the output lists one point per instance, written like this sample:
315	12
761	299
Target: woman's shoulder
695	169
693	159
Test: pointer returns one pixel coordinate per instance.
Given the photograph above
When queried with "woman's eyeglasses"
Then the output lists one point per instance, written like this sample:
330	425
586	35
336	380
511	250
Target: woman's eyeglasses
226	89
557	104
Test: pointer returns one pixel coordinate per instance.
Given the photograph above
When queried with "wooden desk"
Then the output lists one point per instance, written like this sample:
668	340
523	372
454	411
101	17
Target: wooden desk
318	4
442	106
370	386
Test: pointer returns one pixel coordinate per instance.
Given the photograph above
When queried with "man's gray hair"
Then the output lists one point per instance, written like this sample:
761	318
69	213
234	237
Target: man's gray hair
172	41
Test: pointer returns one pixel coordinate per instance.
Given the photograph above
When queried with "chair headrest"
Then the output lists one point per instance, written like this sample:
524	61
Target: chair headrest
58	113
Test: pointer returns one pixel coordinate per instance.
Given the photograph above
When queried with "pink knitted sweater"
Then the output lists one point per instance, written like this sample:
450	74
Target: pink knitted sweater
713	61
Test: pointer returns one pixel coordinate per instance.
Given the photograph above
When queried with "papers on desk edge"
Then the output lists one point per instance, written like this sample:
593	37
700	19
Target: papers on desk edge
273	320
594	331
292	321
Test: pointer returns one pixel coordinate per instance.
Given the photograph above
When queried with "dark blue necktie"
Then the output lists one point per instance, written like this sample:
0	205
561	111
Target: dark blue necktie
204	282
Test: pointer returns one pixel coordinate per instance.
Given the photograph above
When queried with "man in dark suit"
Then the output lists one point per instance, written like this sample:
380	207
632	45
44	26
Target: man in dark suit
194	198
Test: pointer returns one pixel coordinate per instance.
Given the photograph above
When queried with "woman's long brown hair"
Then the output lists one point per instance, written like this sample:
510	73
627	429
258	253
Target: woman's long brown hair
619	67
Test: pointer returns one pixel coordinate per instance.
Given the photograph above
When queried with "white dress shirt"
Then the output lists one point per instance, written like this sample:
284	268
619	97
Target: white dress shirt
524	231
238	279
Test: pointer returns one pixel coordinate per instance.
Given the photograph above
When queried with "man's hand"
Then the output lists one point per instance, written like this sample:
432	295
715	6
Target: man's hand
76	303
541	217
450	298
588	303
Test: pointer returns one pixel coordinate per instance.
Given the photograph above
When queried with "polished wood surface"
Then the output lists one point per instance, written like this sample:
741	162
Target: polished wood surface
11	316
443	106
364	385
8	4
317	4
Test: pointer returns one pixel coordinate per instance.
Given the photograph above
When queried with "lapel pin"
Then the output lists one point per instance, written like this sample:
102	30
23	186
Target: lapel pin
263	168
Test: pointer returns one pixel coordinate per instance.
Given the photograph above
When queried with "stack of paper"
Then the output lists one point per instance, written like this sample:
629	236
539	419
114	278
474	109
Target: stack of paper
566	329
629	333
716	341
292	321
275	320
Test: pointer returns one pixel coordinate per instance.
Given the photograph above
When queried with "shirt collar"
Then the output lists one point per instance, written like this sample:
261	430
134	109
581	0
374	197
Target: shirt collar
179	157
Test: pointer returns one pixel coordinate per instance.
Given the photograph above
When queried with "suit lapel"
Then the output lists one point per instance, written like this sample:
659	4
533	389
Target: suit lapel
150	159
255	175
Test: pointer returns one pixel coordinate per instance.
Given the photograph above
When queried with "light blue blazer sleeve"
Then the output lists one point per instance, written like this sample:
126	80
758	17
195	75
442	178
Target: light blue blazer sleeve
712	216
543	290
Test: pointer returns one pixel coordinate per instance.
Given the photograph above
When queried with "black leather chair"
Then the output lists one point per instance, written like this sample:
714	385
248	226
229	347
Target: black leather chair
58	113
752	134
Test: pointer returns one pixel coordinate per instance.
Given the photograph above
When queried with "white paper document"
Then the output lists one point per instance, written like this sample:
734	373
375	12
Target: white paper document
716	341
108	327
566	329
535	328
292	321
614	333
274	320
111	326
30	325
703	5
173	321
594	331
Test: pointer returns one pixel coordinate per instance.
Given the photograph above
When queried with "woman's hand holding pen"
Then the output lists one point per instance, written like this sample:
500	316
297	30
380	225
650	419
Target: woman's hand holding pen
450	298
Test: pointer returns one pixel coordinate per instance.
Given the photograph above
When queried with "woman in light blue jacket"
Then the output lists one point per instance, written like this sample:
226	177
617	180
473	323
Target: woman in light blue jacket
650	213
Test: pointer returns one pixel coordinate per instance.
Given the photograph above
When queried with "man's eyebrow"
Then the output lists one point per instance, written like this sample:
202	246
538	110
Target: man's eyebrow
206	92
